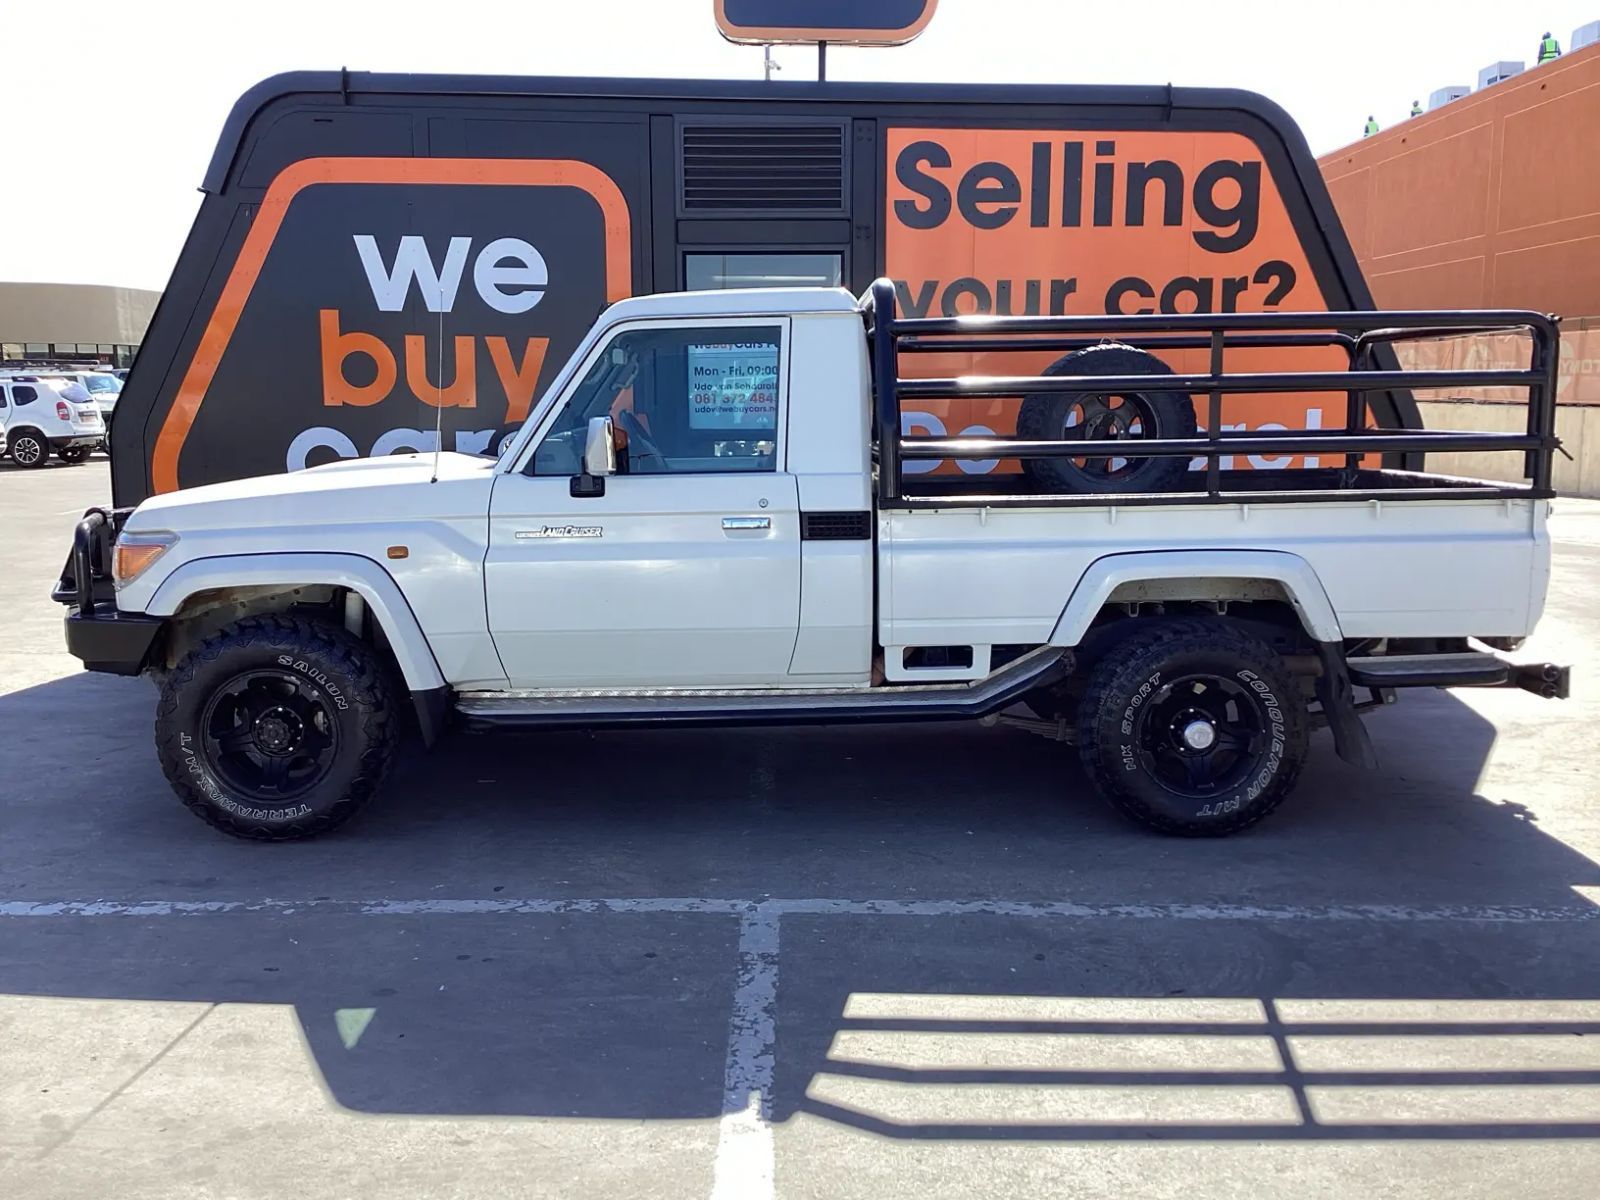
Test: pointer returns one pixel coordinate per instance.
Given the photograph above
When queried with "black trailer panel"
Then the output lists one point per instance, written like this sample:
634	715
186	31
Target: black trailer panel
380	253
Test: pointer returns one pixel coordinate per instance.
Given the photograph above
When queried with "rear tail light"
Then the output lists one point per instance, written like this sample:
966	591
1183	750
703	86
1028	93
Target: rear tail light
62	411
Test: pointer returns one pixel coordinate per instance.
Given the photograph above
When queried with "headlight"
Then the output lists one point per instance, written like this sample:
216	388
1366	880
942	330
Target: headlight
135	552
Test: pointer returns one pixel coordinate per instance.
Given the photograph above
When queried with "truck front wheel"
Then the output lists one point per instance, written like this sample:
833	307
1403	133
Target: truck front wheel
276	728
1192	727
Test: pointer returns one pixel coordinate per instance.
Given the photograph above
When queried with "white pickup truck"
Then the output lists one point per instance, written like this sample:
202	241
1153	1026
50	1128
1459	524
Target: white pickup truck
712	516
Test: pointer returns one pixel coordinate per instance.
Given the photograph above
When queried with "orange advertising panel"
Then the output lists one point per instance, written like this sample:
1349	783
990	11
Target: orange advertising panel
1032	221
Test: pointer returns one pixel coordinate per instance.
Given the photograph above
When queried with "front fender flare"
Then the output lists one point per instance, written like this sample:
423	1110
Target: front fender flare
1293	573
371	582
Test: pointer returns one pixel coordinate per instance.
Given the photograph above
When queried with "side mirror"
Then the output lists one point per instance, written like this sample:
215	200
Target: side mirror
600	448
599	459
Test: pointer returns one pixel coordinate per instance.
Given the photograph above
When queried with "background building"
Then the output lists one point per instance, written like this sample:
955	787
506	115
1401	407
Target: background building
73	321
1492	201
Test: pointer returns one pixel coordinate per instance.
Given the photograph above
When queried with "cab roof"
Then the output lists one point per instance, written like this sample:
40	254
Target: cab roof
734	302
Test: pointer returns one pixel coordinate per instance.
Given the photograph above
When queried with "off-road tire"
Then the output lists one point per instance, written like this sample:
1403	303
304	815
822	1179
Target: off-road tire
335	665
34	448
1110	724
1043	417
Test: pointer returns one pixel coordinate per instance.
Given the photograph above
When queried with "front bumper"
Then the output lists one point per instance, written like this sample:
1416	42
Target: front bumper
111	641
100	634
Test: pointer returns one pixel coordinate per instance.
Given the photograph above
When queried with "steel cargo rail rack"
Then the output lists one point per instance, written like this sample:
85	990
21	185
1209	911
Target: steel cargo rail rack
1367	338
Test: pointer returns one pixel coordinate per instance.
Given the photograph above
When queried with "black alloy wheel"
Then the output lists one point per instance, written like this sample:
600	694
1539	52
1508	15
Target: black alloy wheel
1202	734
269	735
1107	418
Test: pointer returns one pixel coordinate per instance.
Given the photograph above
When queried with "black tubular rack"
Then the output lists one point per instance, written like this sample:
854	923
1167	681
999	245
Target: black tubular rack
1366	337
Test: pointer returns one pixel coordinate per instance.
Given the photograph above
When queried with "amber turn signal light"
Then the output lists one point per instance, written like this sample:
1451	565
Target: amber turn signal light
133	555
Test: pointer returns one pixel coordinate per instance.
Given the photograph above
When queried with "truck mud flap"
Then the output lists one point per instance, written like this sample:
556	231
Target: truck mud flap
1336	694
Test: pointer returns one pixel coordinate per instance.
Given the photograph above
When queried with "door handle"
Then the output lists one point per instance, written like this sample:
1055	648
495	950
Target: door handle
742	524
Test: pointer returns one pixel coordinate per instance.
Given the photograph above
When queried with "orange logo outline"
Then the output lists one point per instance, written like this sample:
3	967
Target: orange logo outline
546	172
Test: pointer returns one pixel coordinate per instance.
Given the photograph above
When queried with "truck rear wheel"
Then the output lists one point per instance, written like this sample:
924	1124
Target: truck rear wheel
1119	416
276	728
1192	727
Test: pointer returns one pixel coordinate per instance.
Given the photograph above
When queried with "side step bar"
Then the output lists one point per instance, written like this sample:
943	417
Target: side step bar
595	709
1471	669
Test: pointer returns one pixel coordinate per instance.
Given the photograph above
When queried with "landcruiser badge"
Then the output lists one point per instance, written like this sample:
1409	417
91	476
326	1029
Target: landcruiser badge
561	531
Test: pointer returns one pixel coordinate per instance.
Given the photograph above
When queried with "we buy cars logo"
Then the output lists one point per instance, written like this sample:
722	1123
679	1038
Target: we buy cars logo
370	293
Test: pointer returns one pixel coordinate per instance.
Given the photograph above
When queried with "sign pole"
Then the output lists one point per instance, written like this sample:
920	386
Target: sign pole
822	62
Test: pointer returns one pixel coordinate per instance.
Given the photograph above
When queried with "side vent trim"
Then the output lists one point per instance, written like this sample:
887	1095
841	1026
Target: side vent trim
836	527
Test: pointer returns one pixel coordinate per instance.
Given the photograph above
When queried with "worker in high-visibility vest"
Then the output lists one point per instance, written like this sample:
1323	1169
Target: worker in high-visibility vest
1372	127
1549	49
1416	108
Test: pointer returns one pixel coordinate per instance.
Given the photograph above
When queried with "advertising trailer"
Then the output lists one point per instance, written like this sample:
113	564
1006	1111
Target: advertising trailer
389	263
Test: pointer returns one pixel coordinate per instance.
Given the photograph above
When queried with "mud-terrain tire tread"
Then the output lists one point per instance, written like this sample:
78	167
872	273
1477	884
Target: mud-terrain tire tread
371	691
1038	420
1135	655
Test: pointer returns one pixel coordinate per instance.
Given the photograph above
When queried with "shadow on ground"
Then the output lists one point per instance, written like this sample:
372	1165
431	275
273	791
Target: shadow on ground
626	1014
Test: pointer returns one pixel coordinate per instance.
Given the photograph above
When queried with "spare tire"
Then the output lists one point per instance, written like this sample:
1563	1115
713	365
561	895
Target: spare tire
1057	416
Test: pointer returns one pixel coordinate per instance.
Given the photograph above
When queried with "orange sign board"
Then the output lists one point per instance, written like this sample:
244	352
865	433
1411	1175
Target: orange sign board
1035	221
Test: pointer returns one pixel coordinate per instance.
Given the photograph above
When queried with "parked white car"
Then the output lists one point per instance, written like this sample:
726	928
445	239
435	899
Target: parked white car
103	387
706	521
45	414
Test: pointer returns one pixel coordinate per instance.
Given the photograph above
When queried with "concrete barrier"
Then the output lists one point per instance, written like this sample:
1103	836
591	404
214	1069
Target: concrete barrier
1503	409
1578	427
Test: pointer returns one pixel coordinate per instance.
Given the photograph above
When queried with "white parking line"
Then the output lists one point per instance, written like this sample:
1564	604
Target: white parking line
744	1165
1492	913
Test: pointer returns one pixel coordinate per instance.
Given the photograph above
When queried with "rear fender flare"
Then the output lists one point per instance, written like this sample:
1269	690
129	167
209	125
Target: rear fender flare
366	578
1293	573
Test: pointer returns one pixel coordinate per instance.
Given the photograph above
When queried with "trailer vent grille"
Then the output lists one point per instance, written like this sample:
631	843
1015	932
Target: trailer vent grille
763	168
836	526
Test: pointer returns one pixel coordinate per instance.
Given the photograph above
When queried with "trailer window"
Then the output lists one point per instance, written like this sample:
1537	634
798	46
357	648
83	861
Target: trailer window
714	272
687	400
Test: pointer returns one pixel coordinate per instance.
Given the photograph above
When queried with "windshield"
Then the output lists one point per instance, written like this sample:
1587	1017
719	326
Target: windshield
97	384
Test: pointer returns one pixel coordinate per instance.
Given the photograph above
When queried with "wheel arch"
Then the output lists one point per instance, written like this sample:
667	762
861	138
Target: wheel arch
1203	575
268	575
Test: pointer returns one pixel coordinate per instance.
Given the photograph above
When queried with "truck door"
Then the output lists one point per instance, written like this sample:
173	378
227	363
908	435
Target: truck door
686	570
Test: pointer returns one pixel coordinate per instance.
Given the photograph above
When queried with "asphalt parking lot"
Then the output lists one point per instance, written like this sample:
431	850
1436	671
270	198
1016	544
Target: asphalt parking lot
835	963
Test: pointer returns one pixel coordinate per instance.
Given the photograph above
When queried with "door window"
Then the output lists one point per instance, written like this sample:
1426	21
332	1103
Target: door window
685	401
714	272
24	393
